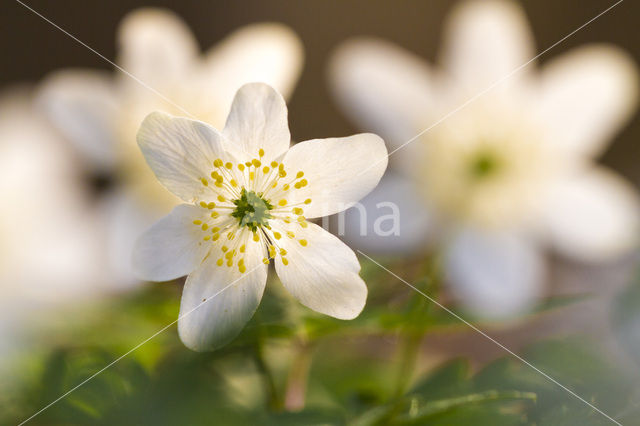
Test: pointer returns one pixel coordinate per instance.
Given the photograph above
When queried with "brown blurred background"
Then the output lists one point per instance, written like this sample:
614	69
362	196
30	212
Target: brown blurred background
31	47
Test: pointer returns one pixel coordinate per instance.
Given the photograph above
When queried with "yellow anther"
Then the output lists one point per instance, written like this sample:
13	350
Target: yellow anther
307	201
256	162
229	254
241	262
207	237
242	269
303	182
221	199
303	224
203	204
215	229
285	262
242	248
291	234
197	222
204	181
265	260
303	243
281	166
217	163
261	152
274	184
287	220
274	164
218	183
220	262
211	205
286	187
248	163
283	252
282	202
214	175
228	165
241	167
233	183
215	237
299	175
297	185
252	175
230	236
225	248
277	235
272	251
265	170
256	237
205	226
282	173
215	214
301	218
297	210
230	262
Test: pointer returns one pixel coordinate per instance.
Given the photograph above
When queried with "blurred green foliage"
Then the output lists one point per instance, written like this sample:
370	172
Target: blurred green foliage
357	372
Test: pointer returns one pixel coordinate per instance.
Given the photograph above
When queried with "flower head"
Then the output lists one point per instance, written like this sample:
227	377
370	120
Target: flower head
249	199
100	113
504	160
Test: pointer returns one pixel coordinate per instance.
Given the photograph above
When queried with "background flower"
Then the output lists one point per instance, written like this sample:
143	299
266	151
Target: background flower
100	113
514	167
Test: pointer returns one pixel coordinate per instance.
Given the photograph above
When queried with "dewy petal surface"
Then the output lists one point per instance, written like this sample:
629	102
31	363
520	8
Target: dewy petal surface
586	95
172	247
383	87
494	274
258	120
217	301
267	52
594	216
180	152
323	274
484	42
339	171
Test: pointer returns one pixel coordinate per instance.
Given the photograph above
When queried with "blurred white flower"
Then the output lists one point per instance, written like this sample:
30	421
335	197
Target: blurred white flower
509	171
249	195
50	259
100	113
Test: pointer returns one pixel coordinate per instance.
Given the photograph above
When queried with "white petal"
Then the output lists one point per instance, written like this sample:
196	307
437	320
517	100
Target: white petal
393	218
484	42
386	89
172	247
217	301
494	275
180	152
156	47
339	171
323	275
258	120
83	106
586	96
267	52
594	216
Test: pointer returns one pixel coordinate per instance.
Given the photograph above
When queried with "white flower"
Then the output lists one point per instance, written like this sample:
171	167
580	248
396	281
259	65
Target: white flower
511	170
100	113
248	199
50	259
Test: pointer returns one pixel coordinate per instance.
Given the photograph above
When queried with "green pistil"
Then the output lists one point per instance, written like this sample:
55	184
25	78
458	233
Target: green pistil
252	210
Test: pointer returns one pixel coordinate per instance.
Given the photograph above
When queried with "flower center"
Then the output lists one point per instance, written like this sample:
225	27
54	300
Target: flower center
484	165
252	210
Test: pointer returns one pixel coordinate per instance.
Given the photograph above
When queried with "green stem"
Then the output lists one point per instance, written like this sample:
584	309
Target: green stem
412	337
297	380
274	401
